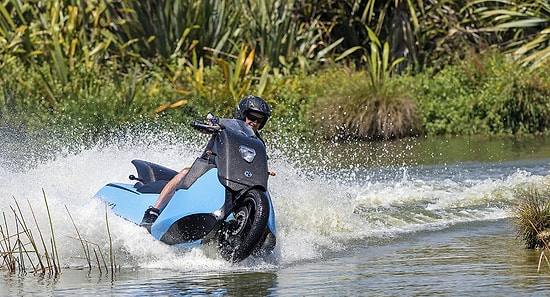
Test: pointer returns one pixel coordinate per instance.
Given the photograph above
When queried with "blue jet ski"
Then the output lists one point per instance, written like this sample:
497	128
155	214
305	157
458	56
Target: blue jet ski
222	199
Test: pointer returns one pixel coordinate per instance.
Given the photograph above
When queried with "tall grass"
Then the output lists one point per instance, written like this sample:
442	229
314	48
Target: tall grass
365	105
20	249
532	217
22	253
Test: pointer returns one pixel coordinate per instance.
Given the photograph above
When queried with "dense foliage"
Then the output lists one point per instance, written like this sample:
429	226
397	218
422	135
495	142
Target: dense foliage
361	69
485	95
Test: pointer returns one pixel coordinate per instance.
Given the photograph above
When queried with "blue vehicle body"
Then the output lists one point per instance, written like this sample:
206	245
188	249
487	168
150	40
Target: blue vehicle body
223	199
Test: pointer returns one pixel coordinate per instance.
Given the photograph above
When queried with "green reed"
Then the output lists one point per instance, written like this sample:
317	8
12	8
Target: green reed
22	252
20	249
98	255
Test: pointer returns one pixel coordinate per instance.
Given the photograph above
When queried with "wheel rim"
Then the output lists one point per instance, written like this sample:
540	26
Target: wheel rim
243	219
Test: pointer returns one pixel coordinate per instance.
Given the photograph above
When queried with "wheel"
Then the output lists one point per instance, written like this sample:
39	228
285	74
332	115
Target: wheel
241	235
266	244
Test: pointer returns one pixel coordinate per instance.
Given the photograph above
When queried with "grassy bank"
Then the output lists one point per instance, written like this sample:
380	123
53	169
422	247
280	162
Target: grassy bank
485	95
345	67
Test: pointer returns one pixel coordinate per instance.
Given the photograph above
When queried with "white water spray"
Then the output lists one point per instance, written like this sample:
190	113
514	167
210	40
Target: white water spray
316	214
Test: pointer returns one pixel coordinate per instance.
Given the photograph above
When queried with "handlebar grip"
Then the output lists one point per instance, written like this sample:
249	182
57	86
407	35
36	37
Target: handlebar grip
205	128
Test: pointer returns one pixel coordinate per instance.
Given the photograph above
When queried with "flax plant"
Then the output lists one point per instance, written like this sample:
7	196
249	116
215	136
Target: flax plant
56	39
524	23
283	37
173	29
236	75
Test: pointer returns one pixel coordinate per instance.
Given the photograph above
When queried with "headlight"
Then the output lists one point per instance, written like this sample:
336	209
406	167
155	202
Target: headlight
247	153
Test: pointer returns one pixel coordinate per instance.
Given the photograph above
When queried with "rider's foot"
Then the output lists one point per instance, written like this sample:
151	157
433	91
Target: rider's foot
150	216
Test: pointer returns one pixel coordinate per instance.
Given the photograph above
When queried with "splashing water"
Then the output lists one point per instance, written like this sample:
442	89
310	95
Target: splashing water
320	208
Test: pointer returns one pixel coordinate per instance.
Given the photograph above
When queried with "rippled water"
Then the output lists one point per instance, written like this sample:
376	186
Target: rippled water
410	218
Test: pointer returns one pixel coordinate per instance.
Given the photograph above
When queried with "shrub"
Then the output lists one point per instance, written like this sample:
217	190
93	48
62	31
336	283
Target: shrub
532	217
485	95
352	108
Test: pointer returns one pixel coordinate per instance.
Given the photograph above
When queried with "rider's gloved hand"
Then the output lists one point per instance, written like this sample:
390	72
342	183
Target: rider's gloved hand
211	119
209	125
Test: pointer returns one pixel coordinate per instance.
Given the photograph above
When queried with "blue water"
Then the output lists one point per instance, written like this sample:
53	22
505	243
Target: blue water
349	223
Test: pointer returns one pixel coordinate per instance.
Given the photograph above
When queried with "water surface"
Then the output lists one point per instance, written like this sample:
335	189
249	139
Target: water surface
414	218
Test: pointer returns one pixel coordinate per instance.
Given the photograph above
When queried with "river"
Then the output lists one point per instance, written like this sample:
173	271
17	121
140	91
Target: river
419	217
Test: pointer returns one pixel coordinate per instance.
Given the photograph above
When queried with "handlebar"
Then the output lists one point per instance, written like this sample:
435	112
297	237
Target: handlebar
199	125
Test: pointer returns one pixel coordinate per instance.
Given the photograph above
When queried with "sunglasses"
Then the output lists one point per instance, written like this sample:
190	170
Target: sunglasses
255	118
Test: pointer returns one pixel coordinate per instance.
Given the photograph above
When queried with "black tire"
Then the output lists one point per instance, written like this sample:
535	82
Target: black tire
266	244
240	236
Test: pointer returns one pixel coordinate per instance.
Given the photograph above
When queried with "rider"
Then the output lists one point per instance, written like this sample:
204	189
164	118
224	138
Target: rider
253	110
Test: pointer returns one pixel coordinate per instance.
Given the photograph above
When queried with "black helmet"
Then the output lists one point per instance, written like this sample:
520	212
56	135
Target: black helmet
253	104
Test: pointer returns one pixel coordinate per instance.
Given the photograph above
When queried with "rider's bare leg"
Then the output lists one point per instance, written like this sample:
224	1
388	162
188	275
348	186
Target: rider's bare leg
169	189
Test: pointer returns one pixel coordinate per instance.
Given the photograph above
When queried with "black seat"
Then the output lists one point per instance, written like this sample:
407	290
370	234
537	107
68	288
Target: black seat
151	188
